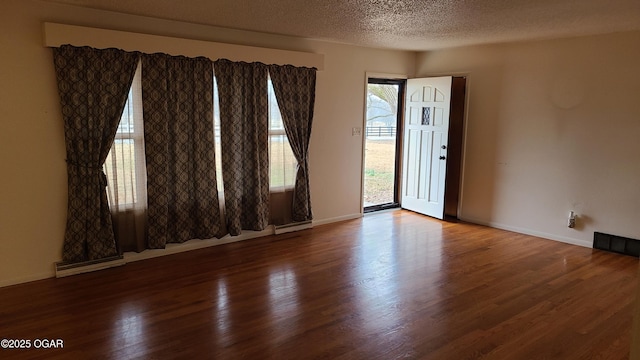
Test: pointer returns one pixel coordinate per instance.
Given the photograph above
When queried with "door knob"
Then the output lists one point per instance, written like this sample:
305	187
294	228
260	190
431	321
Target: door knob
442	158
444	147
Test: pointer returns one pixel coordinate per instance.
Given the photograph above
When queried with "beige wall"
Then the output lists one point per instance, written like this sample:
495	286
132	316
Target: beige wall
33	178
552	126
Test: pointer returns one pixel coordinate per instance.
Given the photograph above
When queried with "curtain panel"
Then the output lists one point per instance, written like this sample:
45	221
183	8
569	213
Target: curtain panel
93	86
182	193
295	92
244	130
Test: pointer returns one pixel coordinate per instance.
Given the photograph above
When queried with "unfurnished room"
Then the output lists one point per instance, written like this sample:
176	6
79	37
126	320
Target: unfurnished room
231	179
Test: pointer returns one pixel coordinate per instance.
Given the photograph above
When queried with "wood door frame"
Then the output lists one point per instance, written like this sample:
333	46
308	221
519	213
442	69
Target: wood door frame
465	121
457	123
463	145
454	212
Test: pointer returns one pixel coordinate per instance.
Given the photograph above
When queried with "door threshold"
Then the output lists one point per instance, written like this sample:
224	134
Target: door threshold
381	207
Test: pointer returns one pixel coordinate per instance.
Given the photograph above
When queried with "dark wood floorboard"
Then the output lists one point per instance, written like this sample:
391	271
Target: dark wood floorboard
388	286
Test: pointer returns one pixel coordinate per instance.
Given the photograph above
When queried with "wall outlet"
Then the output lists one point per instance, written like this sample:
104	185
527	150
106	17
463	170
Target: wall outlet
571	222
356	131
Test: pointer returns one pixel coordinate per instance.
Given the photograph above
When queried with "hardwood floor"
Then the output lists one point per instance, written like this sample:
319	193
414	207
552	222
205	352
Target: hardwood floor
388	286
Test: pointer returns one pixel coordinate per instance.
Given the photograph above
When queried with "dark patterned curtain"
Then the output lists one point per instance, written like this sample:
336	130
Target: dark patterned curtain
295	91
177	97
244	129
93	86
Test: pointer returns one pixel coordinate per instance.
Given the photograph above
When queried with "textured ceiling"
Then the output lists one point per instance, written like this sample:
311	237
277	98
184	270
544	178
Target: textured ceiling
398	24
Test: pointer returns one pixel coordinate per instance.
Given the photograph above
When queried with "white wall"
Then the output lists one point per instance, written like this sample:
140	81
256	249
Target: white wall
33	177
552	126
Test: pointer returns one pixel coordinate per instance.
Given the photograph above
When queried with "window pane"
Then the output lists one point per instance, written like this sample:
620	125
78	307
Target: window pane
121	162
120	170
125	163
126	125
275	118
282	162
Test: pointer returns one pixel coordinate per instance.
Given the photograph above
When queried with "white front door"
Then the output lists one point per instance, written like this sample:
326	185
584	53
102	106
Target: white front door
426	131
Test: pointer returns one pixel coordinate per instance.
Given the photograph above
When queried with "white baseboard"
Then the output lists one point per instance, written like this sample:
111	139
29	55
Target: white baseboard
196	244
246	235
336	219
63	270
564	239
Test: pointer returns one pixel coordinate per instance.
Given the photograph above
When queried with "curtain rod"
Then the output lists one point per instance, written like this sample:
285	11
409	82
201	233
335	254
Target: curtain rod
56	35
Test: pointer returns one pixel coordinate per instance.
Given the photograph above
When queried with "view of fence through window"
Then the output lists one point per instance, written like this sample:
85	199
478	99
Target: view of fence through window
380	144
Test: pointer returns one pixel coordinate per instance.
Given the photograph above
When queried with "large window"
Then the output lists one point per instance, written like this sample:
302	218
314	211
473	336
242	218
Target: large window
282	162
127	153
124	166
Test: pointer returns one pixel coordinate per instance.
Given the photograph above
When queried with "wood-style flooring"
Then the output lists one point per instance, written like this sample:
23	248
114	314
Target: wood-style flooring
388	286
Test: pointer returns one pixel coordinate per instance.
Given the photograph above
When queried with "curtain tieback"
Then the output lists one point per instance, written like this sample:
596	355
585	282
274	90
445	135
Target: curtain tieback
95	170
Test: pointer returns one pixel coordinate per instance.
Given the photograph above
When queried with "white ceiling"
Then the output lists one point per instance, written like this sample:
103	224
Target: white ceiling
397	24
